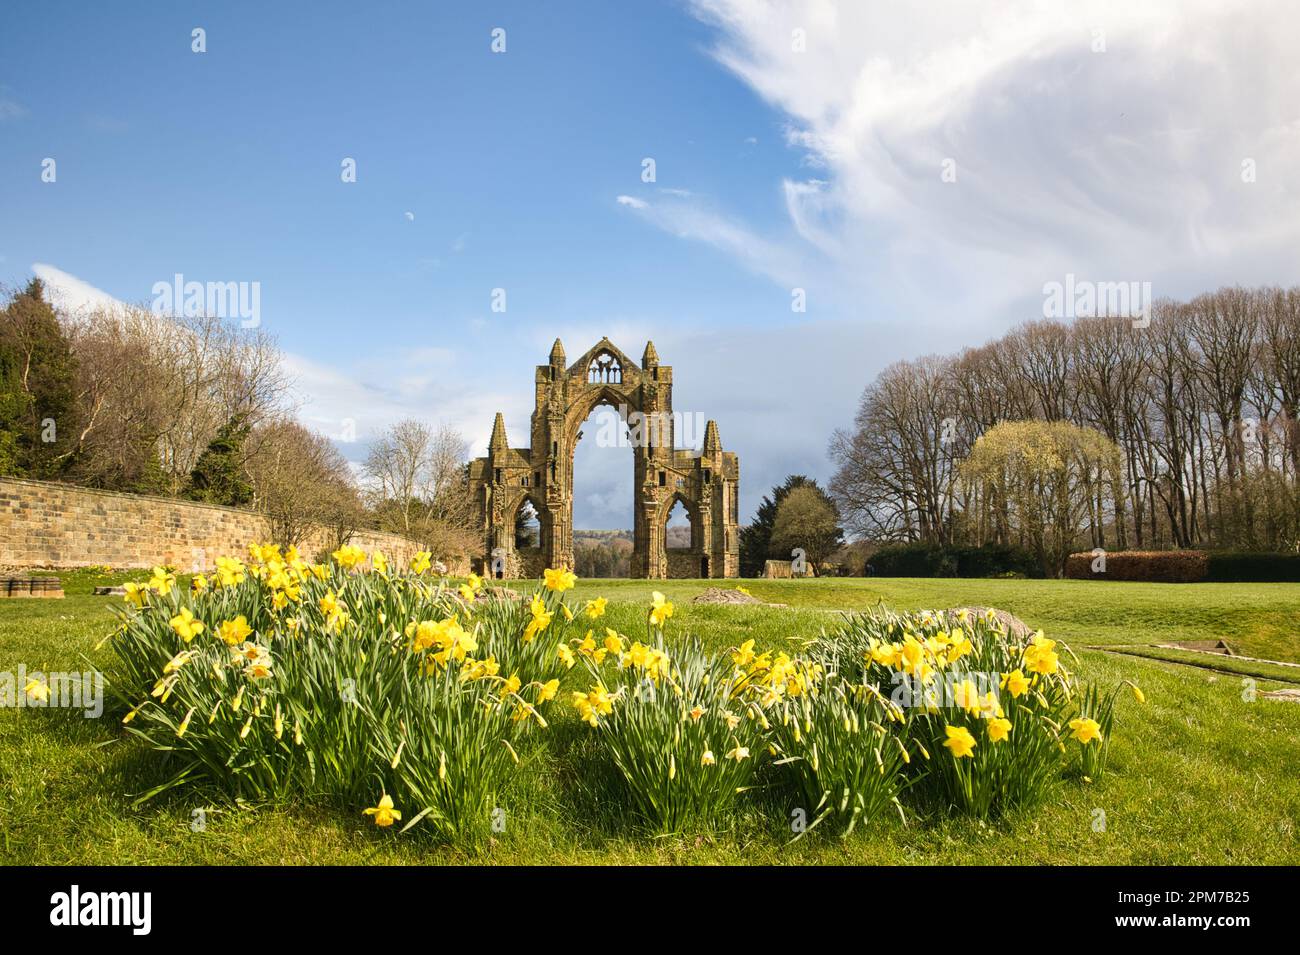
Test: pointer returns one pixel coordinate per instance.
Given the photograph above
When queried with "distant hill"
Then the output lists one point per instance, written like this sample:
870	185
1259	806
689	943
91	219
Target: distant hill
678	537
602	553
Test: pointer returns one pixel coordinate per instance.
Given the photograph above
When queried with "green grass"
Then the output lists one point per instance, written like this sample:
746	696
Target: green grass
1197	775
1258	620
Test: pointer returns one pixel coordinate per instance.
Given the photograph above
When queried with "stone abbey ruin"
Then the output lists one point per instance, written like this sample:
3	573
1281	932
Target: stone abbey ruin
511	485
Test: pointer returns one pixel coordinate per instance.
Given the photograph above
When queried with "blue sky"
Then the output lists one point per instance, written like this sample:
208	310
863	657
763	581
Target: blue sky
776	168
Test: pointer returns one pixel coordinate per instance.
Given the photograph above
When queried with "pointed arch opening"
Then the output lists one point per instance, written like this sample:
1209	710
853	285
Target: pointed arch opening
602	477
679	529
528	526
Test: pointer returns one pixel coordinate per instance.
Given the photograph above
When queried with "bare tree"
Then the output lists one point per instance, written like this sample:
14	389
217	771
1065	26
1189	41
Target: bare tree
418	487
301	482
1203	404
154	390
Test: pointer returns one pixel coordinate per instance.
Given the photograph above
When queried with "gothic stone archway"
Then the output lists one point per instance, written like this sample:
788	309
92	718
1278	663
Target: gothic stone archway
705	481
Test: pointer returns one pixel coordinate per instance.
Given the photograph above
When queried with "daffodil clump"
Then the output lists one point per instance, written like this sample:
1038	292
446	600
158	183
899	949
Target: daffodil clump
994	719
276	677
683	731
843	751
687	731
412	698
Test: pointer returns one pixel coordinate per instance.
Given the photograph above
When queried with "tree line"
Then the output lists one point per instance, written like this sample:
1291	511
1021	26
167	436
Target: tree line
126	399
1186	434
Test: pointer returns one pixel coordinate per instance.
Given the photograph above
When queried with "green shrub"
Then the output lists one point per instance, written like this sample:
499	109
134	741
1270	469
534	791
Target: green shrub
931	560
1240	566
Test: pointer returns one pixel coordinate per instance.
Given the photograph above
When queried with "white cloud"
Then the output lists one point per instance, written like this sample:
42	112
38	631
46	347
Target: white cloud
376	391
373	392
1118	164
71	293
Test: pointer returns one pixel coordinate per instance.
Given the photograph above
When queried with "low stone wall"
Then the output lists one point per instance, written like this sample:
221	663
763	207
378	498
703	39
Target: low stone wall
44	524
782	570
684	564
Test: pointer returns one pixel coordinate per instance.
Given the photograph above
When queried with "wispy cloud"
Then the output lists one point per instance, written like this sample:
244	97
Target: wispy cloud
10	108
690	217
103	123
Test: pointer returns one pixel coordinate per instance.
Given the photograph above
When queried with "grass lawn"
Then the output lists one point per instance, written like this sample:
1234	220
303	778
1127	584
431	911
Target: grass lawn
1197	775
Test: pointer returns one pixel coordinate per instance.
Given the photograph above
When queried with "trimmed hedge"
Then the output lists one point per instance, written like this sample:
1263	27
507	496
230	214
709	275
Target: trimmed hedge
1239	566
1159	566
931	560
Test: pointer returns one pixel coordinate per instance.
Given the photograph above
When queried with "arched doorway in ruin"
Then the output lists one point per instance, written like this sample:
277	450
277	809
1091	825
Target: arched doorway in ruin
705	480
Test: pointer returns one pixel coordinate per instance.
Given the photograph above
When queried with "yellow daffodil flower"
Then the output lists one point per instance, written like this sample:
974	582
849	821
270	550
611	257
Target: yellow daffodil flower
186	627
960	742
135	593
541	618
1085	729
1015	683
1040	656
236	631
349	556
744	654
559	580
230	571
660	609
511	685
999	728
385	815
161	581
966	696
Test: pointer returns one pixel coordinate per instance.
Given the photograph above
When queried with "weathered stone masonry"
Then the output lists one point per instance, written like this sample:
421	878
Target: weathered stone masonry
45	524
706	481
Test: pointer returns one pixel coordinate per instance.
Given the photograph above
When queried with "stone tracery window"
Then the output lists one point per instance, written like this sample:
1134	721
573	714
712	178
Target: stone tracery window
605	370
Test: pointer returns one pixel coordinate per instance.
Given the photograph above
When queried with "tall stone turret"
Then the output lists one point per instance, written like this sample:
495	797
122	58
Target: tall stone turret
498	442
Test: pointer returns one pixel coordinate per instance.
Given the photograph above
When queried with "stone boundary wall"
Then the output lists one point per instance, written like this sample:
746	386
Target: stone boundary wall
45	524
